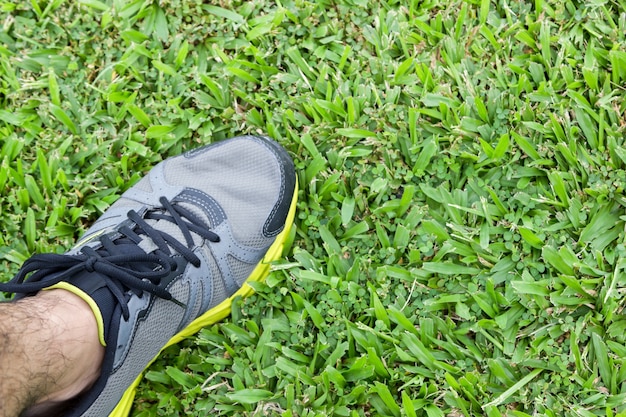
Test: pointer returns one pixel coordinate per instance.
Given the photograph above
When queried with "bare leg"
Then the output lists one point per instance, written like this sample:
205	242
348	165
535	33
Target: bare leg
49	351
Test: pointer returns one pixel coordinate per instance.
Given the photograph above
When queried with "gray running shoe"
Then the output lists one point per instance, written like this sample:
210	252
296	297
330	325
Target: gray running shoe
170	255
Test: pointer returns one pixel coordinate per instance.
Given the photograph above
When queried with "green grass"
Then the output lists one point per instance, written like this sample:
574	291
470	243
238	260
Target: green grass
460	243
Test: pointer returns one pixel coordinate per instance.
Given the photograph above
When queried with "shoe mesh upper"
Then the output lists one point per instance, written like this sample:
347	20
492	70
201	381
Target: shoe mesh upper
249	159
239	269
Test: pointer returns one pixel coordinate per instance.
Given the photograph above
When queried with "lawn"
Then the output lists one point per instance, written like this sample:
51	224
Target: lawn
460	241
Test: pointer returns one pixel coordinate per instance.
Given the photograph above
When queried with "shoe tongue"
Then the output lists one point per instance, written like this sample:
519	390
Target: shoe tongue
172	229
92	288
95	286
199	213
107	305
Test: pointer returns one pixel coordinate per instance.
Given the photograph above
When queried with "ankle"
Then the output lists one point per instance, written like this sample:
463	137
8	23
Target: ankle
79	353
51	349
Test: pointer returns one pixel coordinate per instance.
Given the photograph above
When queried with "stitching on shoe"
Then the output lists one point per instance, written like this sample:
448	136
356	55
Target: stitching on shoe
210	210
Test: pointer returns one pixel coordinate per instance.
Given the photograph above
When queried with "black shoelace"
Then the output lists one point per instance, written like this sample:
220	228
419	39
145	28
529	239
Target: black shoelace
121	263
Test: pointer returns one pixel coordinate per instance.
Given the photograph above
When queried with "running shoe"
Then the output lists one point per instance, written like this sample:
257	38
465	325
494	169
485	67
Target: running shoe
168	257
